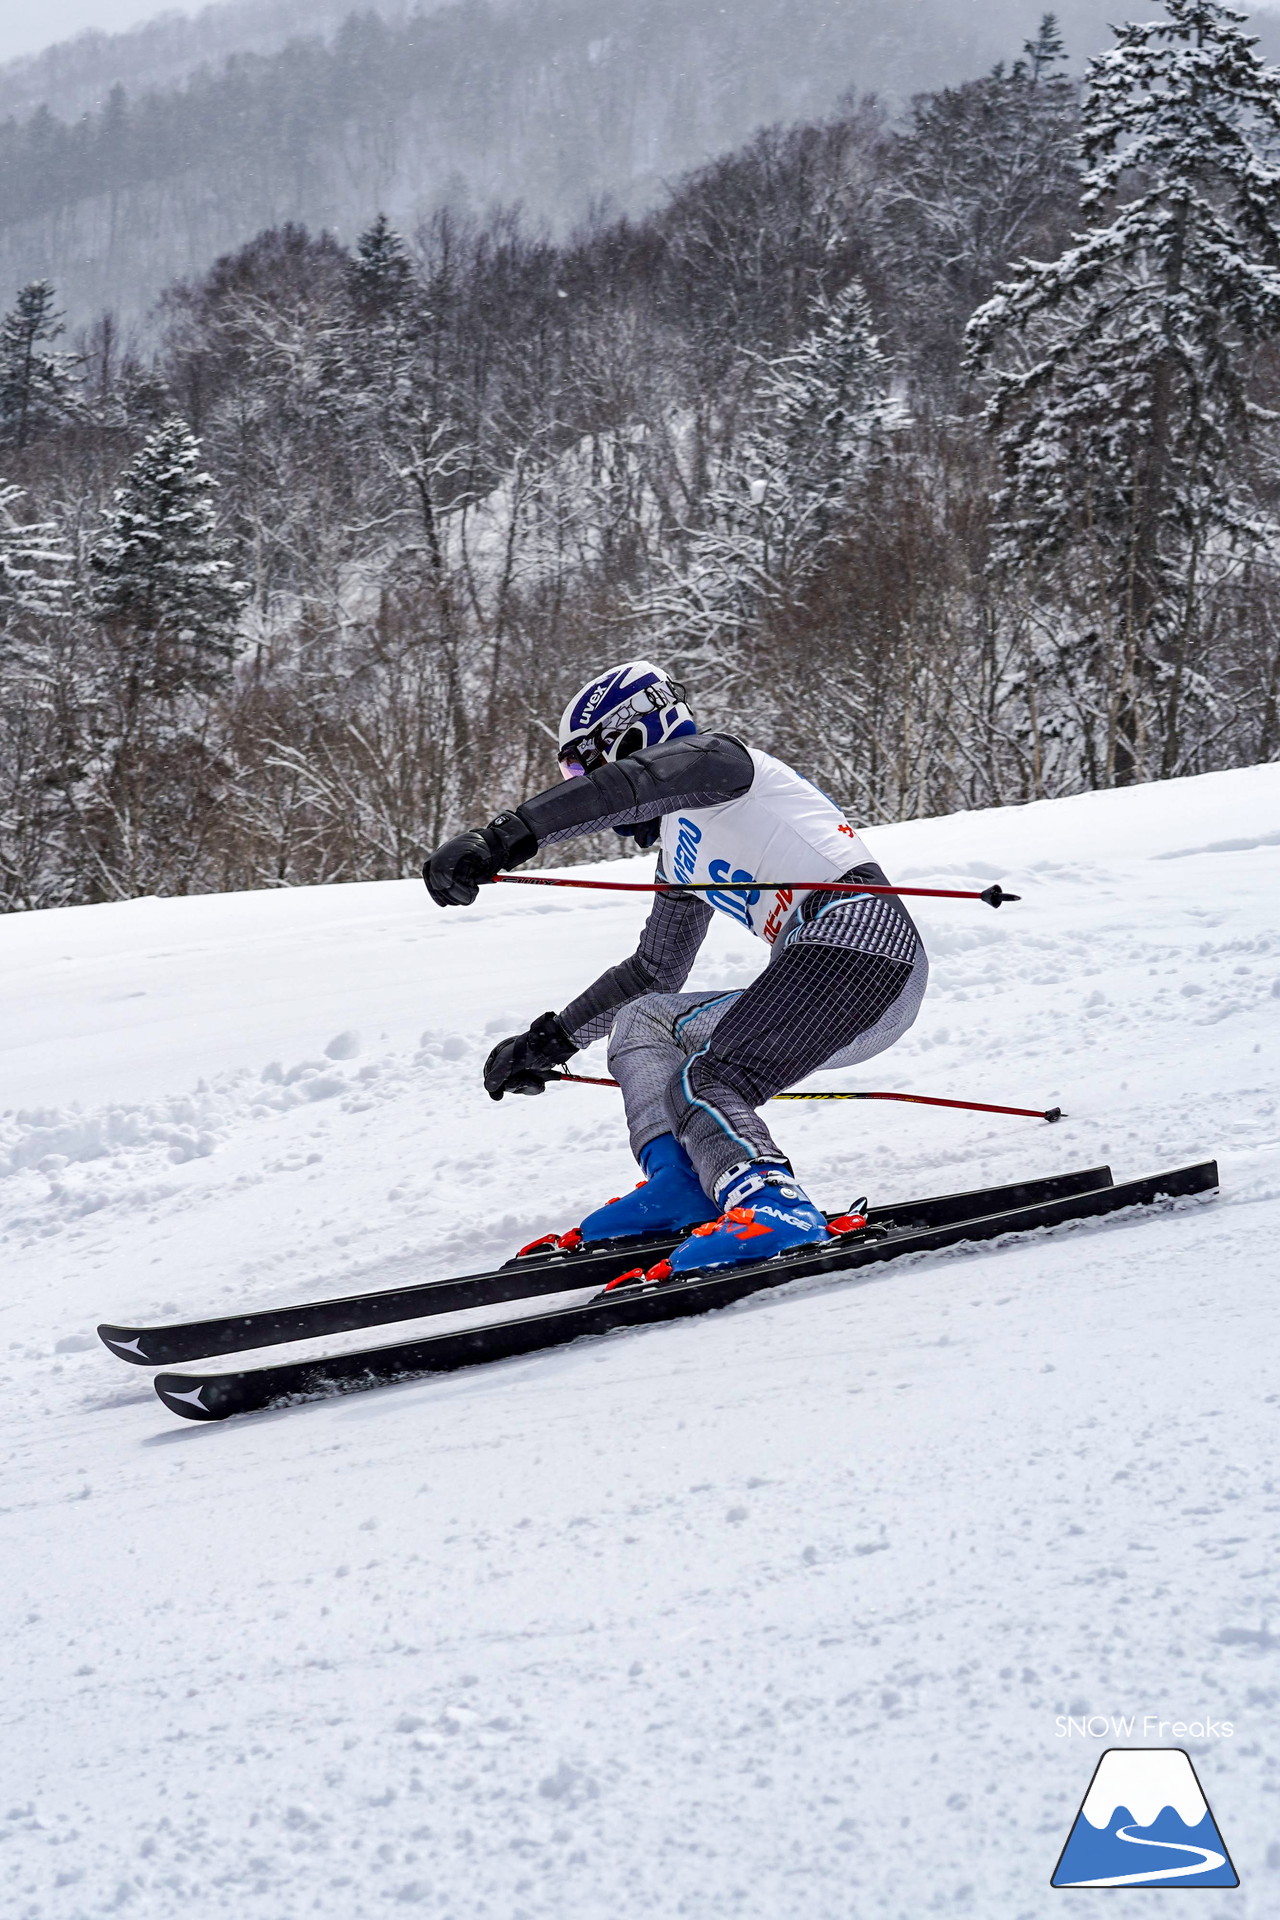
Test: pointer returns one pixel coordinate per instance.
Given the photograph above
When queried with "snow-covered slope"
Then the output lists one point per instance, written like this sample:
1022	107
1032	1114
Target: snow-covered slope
770	1613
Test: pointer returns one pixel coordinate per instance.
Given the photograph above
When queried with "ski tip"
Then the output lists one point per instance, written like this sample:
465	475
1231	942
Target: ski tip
125	1343
187	1396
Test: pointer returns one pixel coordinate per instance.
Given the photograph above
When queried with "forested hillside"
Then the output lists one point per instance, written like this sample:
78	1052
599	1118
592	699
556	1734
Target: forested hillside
556	105
75	76
939	457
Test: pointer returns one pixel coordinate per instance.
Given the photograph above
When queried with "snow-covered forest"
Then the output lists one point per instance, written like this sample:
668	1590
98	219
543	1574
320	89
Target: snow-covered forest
120	170
938	454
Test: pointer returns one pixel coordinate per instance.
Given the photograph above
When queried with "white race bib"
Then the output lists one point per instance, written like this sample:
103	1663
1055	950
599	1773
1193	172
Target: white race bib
782	828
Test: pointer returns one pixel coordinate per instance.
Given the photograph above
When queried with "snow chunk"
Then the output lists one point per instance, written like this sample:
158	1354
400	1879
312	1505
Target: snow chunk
568	1783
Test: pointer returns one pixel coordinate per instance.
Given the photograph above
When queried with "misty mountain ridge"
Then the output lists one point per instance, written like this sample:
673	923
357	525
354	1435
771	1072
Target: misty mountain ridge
559	106
75	76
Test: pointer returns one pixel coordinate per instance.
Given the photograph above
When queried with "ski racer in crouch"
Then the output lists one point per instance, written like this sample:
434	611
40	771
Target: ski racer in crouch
845	977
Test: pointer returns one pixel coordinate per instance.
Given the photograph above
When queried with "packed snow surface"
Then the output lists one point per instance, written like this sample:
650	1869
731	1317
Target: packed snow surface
781	1611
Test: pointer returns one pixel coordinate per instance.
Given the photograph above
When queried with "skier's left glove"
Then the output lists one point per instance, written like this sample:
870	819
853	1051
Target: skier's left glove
525	1062
455	872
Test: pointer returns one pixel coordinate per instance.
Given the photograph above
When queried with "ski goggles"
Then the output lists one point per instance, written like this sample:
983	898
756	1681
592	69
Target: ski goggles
607	739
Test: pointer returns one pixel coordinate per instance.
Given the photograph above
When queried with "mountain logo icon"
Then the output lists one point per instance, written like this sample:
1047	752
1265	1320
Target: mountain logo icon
1145	1823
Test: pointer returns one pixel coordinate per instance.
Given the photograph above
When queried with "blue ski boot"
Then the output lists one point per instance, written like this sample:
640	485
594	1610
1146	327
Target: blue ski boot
668	1200
765	1212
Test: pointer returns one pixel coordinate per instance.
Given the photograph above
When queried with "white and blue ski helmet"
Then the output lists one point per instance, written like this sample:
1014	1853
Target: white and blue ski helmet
618	712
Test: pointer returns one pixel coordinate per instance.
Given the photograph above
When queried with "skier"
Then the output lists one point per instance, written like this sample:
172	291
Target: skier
845	978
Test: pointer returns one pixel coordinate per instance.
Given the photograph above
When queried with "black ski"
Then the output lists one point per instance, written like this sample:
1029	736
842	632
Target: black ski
519	1279
216	1396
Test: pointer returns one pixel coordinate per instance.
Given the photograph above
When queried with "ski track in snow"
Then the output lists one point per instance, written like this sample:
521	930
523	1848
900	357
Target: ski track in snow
763	1614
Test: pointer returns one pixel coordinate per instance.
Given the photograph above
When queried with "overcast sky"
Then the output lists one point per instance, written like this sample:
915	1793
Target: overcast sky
28	25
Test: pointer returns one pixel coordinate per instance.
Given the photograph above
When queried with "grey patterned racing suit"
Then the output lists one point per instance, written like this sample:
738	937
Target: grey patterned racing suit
844	980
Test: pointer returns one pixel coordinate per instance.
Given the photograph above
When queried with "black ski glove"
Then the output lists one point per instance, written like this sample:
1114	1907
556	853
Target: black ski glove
645	834
455	872
525	1062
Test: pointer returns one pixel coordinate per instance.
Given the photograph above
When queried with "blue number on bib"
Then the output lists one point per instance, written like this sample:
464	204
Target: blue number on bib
737	905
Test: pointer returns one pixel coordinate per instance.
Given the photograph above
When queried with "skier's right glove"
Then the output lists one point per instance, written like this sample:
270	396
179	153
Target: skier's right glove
525	1062
455	872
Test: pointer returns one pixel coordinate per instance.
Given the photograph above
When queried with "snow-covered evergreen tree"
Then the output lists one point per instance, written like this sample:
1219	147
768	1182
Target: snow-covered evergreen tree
822	411
33	563
162	577
826	404
166	601
984	173
36	696
381	273
1122	403
391	391
36	381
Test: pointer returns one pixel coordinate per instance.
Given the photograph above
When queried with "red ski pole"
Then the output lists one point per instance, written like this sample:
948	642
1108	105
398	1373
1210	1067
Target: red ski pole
995	896
929	1100
913	1099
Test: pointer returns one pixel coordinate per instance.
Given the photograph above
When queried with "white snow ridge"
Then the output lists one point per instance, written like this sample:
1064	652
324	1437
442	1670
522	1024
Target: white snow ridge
1145	1781
769	1613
